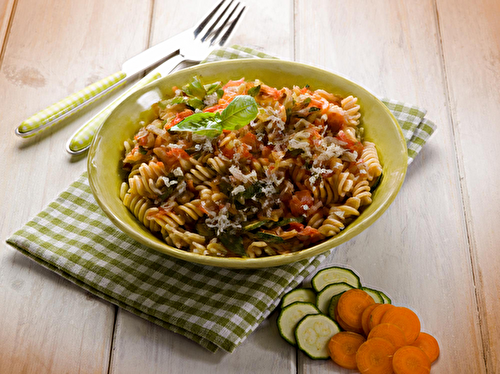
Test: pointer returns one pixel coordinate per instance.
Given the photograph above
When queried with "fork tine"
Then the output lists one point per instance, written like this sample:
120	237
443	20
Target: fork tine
210	29
229	31
201	25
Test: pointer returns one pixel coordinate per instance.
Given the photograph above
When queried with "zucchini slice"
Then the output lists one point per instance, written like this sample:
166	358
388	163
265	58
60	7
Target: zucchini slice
313	334
376	296
387	299
300	294
332	275
290	316
333	306
324	298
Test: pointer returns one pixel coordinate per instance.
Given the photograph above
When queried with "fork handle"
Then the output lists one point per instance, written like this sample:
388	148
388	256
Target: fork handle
80	141
71	104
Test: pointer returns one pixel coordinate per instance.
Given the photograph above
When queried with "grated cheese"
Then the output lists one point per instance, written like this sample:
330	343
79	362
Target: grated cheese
238	189
167	181
211	100
238	174
220	220
178	172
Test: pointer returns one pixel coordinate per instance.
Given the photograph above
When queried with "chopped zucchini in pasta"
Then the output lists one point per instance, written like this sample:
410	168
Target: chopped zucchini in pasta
244	169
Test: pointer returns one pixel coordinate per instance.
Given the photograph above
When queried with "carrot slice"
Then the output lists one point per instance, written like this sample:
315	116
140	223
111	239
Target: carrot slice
406	319
389	332
428	344
411	360
343	347
377	314
375	357
351	305
365	318
344	325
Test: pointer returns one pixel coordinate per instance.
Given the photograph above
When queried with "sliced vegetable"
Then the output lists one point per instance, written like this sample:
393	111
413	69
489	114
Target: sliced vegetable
410	360
376	296
313	334
300	294
365	318
268	238
334	275
377	314
254	225
392	333
290	317
375	356
428	344
332	309
406	319
351	305
386	298
324	298
343	347
346	326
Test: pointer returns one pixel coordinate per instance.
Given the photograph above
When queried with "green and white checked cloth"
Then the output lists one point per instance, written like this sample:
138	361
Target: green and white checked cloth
217	308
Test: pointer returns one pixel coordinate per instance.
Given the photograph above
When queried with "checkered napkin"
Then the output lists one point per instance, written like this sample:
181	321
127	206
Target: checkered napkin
217	308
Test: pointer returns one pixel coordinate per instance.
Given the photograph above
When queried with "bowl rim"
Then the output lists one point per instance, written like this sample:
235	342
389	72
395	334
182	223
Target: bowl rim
245	262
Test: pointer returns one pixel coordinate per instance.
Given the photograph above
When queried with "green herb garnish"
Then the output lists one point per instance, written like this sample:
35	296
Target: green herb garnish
233	242
240	112
254	91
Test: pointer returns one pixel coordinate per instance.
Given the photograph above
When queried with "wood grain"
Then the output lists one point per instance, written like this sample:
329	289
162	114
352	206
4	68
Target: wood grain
418	250
472	67
6	14
47	324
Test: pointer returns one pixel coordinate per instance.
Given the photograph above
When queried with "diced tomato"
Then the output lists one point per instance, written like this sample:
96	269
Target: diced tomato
270	91
296	226
172	157
178	118
299	200
251	140
233	83
215	108
352	145
229	153
305	90
266	151
313	234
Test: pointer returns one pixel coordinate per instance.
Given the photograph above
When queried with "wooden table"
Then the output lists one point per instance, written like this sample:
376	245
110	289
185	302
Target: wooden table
435	250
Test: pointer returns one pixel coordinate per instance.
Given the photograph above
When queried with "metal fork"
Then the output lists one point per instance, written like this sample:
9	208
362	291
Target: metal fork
208	35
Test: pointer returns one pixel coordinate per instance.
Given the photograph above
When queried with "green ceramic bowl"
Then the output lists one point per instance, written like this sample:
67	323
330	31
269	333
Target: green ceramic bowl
107	149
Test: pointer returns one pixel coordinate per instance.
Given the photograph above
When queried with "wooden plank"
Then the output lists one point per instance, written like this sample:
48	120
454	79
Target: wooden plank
54	48
471	48
142	346
6	13
417	251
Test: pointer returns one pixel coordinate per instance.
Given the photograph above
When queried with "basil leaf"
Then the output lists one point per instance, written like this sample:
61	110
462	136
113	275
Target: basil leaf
195	89
313	109
233	242
240	112
254	91
212	87
175	100
208	124
195	103
307	100
220	92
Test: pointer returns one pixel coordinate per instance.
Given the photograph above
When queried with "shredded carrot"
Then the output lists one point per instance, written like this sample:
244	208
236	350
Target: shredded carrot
375	357
389	332
428	344
365	318
377	314
411	360
406	319
351	305
343	347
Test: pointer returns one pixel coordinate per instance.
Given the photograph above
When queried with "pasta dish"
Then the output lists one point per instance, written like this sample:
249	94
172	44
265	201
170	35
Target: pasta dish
243	169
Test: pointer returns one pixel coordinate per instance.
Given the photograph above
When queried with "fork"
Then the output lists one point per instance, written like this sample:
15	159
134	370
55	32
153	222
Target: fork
207	36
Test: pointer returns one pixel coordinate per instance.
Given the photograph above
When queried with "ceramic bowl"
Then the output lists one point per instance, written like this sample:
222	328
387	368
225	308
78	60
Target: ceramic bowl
107	149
